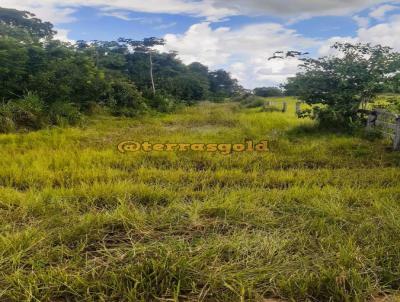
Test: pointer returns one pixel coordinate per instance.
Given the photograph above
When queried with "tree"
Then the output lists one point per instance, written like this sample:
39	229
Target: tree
13	68
267	91
145	46
24	26
222	84
120	74
291	87
344	83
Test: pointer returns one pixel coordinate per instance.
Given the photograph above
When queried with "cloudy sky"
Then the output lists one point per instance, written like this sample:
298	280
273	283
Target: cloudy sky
238	35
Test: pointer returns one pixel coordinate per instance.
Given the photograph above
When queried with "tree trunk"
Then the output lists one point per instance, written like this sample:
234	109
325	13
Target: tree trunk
151	74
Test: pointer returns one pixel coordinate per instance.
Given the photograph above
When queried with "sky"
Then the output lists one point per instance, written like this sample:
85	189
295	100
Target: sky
236	35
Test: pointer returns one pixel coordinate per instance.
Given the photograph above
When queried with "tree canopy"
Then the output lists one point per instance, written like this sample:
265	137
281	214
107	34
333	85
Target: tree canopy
24	26
338	86
267	91
127	76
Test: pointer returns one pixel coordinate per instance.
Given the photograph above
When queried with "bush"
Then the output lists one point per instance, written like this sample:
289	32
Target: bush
252	102
241	97
125	95
27	113
339	120
95	108
30	113
62	113
6	122
163	102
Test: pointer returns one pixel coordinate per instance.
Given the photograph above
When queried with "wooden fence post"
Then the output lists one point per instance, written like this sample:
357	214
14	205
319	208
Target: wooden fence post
396	141
284	109
298	107
268	103
372	117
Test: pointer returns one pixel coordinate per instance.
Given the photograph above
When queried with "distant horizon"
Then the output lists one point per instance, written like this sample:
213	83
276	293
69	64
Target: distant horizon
237	36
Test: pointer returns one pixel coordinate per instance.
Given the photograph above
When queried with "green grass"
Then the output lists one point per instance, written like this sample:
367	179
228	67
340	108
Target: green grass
314	219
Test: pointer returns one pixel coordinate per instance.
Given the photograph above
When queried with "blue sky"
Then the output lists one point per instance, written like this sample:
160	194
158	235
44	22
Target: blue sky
238	35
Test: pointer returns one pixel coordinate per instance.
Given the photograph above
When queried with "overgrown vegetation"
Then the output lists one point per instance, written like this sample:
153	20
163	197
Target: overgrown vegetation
313	219
113	74
338	86
314	222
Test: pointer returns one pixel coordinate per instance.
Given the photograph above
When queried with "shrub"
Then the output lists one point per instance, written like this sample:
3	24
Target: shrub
163	102
95	108
26	113
346	82
6	122
62	113
242	97
125	95
339	120
252	102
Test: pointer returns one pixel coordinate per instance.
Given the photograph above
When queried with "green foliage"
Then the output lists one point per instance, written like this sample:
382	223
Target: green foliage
222	85
292	86
125	95
14	59
77	78
24	26
23	114
241	97
187	88
268	91
305	113
163	102
62	113
345	83
252	102
6	119
393	103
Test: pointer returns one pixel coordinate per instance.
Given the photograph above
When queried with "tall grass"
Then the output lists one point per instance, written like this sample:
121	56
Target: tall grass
314	219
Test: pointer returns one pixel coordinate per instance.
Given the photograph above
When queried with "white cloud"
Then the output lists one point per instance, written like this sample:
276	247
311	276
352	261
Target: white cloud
59	11
165	25
361	21
380	12
123	15
46	10
296	7
62	35
243	51
384	33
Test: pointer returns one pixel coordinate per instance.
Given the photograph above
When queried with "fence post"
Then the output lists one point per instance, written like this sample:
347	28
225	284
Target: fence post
372	117
284	109
298	107
396	142
268	103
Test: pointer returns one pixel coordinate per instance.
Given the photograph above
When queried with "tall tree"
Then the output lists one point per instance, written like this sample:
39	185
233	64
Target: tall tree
145	46
24	26
222	84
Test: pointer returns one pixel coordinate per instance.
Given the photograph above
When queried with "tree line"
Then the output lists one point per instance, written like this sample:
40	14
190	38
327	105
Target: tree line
47	81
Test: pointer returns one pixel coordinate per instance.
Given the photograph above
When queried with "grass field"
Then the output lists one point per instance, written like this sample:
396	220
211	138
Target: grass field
314	219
